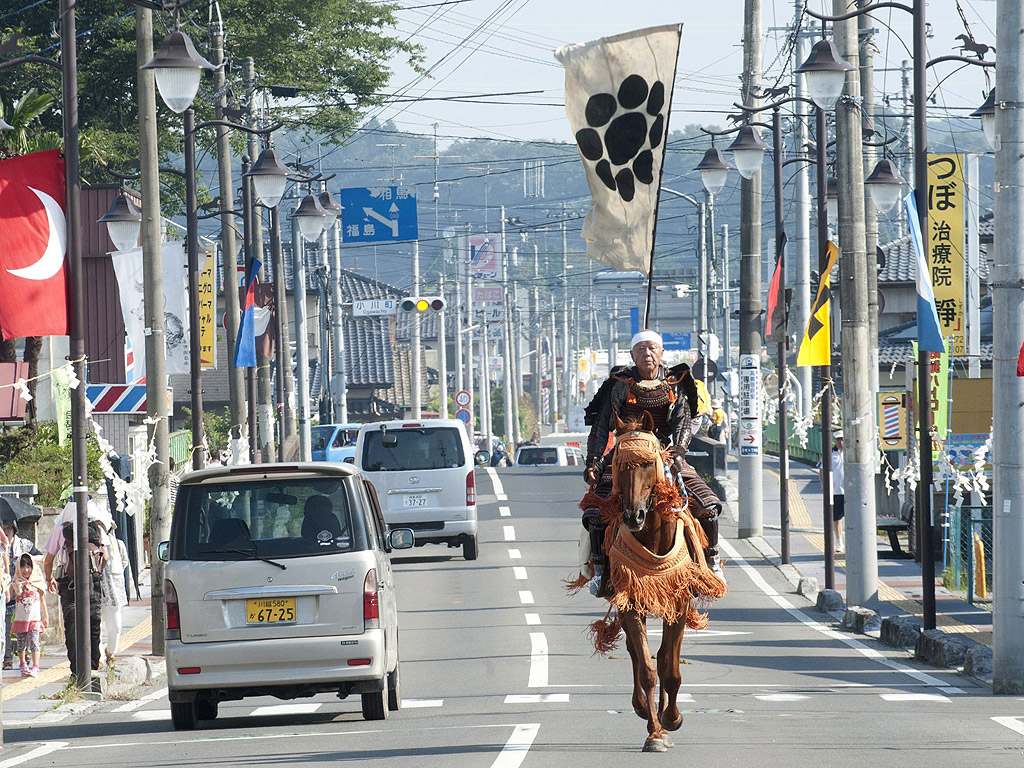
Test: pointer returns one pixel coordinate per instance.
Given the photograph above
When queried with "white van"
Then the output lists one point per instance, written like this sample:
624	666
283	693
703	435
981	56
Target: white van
423	472
278	583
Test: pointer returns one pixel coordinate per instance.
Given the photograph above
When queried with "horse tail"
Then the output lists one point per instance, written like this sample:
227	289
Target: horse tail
605	632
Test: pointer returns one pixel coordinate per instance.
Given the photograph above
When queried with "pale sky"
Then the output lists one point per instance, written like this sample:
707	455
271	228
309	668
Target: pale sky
502	46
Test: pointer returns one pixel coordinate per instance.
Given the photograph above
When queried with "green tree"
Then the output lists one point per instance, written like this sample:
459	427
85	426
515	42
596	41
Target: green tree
32	454
335	52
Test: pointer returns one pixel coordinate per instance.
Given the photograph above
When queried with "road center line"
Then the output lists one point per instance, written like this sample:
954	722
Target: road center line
533	619
538	660
510	532
515	554
817	626
518	744
526	597
504	511
499	489
519	572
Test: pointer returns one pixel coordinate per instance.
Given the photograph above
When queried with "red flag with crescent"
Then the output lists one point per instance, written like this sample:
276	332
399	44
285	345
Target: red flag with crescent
33	246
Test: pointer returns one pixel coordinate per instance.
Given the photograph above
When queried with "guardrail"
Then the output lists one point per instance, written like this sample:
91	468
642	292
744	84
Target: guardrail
810	455
181	447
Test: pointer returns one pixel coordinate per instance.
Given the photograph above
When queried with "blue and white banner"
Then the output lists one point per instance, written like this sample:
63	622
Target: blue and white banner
929	337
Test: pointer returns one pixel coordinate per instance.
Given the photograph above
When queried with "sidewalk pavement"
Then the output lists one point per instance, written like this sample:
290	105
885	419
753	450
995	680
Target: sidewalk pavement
899	578
27	698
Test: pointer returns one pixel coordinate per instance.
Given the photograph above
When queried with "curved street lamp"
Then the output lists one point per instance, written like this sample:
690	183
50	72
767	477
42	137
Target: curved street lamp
177	67
310	217
825	73
713	169
884	185
269	178
331	207
124	222
748	151
987	113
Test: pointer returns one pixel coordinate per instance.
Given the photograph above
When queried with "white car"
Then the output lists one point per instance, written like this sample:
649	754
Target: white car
423	471
278	583
549	455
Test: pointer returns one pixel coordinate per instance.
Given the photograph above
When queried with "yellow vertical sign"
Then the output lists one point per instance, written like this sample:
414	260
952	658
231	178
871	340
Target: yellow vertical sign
944	243
207	313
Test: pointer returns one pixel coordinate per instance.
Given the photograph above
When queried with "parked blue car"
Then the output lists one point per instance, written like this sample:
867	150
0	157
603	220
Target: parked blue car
334	442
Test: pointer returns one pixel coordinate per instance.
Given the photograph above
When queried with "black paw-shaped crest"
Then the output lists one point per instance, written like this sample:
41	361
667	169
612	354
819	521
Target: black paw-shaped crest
623	130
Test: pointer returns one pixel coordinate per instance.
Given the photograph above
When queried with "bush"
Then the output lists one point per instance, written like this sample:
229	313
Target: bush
31	454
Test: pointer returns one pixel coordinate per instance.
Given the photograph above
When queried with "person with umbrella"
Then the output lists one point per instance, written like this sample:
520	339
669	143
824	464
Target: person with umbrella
12	511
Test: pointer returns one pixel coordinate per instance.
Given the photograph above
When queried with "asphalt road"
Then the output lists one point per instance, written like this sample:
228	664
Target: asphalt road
497	672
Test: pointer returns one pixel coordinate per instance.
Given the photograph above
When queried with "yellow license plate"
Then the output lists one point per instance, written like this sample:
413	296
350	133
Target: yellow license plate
275	610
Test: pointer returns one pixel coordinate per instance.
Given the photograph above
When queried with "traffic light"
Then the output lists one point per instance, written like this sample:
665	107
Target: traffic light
422	304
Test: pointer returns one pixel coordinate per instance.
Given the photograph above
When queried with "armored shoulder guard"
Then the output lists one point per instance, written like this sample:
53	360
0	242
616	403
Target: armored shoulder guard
593	410
681	379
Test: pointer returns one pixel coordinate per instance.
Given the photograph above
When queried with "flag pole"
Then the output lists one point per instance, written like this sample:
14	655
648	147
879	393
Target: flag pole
661	173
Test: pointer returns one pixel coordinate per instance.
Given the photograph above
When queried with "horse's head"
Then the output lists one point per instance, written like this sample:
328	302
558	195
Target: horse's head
636	469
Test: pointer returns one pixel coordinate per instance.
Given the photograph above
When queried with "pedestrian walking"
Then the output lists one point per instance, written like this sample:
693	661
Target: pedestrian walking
59	570
30	617
14	547
113	591
838	491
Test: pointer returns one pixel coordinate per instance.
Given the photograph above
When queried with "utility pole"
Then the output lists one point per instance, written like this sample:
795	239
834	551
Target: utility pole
264	388
1008	330
726	306
566	379
153	291
751	492
801	308
473	406
506	336
417	406
703	332
487	427
859	447
340	372
442	356
554	369
236	383
301	341
867	89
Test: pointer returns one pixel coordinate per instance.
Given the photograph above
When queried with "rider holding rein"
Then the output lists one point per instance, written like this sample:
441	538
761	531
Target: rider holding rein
670	396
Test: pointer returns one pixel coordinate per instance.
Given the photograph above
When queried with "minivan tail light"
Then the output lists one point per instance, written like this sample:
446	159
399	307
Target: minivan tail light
172	617
470	489
371	601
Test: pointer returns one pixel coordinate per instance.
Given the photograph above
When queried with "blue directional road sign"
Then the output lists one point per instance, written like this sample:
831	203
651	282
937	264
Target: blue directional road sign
669	340
378	214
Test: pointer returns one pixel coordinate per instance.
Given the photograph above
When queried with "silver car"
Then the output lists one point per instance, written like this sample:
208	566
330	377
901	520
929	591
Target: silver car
278	583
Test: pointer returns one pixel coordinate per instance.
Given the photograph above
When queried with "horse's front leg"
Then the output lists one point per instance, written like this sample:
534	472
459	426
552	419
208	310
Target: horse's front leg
668	672
645	676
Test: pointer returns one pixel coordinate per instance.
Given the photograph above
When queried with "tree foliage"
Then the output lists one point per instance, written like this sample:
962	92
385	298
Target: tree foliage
335	52
32	455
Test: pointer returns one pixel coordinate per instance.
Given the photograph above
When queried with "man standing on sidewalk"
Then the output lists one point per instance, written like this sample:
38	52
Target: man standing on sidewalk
838	493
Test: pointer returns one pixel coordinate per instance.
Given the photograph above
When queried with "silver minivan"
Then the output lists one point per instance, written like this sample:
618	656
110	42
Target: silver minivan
278	583
423	471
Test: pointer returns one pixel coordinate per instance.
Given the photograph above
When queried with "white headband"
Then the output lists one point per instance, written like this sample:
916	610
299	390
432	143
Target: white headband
645	335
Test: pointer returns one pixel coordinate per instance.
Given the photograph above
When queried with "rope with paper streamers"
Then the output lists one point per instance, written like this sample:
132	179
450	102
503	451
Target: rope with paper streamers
21	385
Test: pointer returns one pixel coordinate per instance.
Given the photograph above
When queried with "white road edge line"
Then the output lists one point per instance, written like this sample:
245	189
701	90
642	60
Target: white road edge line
518	744
131	706
538	660
499	489
43	749
1013	723
504	511
803	618
510	532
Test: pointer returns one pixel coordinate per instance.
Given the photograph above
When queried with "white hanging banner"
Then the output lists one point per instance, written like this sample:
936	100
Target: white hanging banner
618	95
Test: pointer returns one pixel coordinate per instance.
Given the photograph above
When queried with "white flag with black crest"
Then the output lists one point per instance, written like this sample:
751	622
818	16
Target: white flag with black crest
618	93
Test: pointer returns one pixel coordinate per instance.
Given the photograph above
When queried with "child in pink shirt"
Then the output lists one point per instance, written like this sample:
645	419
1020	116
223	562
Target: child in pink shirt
30	617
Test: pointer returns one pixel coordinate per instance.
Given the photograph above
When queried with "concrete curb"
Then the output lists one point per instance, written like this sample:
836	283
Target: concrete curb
131	672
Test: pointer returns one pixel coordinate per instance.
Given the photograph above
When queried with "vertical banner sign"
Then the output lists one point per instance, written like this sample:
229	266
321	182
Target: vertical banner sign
945	244
892	421
750	405
207	326
938	388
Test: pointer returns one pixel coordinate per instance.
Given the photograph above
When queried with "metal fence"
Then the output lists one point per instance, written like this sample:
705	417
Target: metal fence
181	447
811	453
967	552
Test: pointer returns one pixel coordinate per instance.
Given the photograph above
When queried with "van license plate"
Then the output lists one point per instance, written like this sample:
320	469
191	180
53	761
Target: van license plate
410	500
277	610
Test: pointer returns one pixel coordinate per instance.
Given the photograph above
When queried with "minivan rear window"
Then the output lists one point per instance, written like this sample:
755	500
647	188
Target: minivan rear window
265	518
532	456
415	448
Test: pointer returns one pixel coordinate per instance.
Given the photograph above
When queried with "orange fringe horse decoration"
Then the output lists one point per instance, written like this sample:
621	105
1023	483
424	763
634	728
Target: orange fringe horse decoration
657	568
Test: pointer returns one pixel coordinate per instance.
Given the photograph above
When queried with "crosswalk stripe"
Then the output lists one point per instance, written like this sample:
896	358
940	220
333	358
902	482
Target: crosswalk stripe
537	698
305	708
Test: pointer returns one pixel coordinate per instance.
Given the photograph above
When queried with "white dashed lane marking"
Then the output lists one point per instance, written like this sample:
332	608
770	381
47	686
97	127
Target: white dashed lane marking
526	597
913	697
499	489
538	660
421	703
515	749
533	619
519	572
1013	723
306	708
504	511
510	532
537	698
514	554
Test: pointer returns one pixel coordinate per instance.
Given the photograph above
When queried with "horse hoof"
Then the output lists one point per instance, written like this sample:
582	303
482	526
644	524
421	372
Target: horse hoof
671	725
655	745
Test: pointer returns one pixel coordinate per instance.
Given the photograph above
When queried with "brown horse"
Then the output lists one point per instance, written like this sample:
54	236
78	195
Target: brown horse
657	567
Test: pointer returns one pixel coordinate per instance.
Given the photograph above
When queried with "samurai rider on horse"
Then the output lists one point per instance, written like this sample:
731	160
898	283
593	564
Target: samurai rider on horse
670	396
